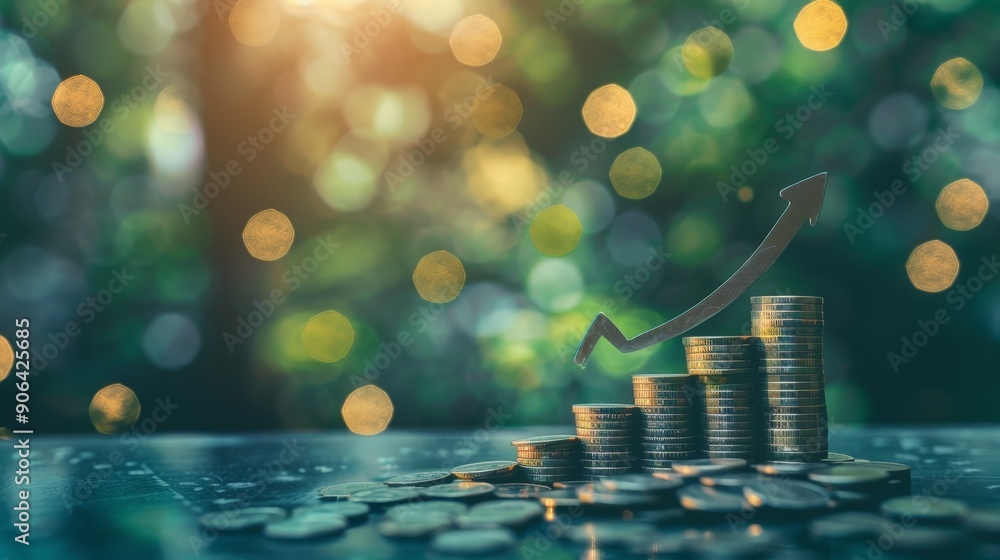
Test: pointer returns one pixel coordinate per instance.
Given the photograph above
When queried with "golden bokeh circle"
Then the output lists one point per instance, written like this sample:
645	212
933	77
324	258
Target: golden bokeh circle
957	84
367	410
707	52
475	40
497	111
268	235
932	267
77	101
328	337
439	277
254	22
609	111
6	358
556	230
114	409
635	173
962	205
821	25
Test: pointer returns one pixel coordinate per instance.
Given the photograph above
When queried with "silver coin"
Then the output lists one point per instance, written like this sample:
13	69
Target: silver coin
519	490
535	455
657	402
641	483
350	510
545	441
847	475
695	497
603	408
787	495
411	512
343	490
429	524
473	541
832	457
500	513
484	469
547	462
661	378
611	448
602	496
603	426
386	496
428	478
462	490
700	467
586	434
797	456
246	519
562	497
306	527
549	471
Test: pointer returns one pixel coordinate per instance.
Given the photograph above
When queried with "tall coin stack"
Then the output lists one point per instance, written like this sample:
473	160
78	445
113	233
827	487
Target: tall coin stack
548	459
608	436
669	430
727	374
790	329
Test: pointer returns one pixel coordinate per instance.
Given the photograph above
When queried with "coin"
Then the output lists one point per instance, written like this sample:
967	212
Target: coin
732	480
484	469
519	490
661	378
386	496
306	527
562	497
343	490
500	513
716	340
419	509
699	467
604	496
246	519
832	457
695	497
458	490
642	483
556	455
545	442
428	478
774	300
787	468
848	526
473	541
349	510
939	510
786	495
848	475
431	523
605	408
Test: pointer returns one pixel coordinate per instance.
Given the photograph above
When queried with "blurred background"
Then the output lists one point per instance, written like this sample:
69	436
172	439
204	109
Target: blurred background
312	214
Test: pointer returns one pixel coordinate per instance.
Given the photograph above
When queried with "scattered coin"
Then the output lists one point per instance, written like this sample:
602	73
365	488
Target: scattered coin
786	495
343	490
458	490
699	467
306	527
849	475
427	525
704	499
429	478
473	541
417	510
350	510
500	513
524	491
246	519
386	496
847	526
484	470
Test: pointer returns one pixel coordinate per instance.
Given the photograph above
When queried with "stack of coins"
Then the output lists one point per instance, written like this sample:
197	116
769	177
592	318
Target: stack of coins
548	459
608	435
668	428
790	329
727	374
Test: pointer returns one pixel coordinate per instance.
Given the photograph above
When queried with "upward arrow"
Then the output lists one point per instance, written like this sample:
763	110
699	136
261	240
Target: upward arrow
805	199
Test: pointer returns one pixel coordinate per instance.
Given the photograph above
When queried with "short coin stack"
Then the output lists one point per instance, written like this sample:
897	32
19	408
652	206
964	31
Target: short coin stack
790	329
668	418
727	371
608	434
548	459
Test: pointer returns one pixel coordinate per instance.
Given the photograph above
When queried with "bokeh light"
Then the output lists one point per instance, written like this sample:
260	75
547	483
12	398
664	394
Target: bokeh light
497	111
6	358
439	277
475	40
556	230
77	101
962	205
254	22
367	410
957	84
707	52
268	235
114	409
635	173
171	341
555	284
821	25
932	267
328	337
609	111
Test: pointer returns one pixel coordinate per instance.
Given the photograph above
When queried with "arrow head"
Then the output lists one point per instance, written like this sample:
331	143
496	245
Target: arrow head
806	196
